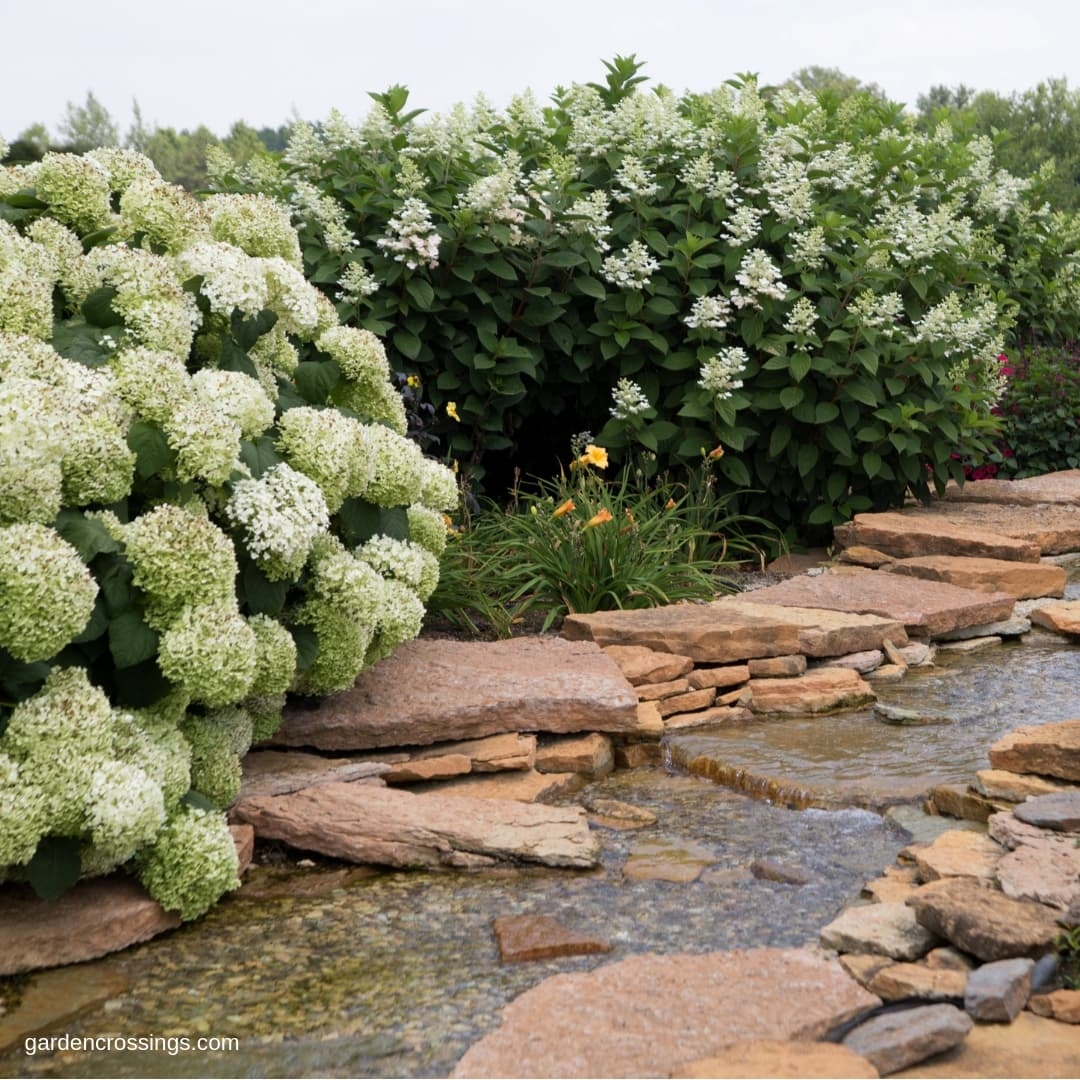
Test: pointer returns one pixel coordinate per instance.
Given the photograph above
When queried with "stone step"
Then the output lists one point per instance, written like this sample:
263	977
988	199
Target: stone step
437	691
1057	487
1055	527
904	535
1021	580
924	608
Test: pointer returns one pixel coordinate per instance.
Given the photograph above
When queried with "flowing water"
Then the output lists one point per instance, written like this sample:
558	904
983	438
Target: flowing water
323	971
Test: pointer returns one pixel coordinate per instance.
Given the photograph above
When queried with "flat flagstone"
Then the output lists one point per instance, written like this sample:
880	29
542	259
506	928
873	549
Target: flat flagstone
1021	580
1053	526
437	691
905	535
1062	618
925	608
1044	749
1056	487
540	937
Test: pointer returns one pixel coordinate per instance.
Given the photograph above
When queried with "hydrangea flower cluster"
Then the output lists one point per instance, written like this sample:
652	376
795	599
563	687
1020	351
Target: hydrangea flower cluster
175	551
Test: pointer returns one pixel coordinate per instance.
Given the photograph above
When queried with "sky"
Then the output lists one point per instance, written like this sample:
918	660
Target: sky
215	62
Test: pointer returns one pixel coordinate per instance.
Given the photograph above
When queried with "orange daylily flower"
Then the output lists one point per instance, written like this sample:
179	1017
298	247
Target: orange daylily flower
565	508
599	518
594	455
670	505
715	455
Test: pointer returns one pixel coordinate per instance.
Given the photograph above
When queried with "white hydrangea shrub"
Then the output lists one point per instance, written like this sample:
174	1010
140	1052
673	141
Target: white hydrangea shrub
191	525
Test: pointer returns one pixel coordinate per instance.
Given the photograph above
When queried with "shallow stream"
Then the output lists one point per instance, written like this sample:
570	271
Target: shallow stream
327	971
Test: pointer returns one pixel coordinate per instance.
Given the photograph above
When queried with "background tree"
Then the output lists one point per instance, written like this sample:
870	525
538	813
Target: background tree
88	126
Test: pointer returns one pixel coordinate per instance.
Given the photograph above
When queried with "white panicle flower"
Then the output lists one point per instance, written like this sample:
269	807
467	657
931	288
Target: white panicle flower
808	246
305	147
181	559
628	400
210	651
356	283
497	197
801	318
698	175
634	181
231	279
842	168
632	269
256	224
879	312
971	336
724	185
412	238
279	516
743	225
589	215
438	486
709	312
125	810
332	449
47	593
720	373
398	468
760	276
237	396
327	214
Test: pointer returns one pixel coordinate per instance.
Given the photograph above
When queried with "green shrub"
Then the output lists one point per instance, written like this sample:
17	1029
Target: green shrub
206	500
1041	411
811	282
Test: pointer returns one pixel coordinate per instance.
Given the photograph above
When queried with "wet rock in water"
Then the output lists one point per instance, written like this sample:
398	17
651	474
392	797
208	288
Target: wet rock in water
540	937
959	853
645	1015
705	718
982	921
821	690
1063	618
968	645
895	1040
667	860
391	827
432	691
770	1057
784	873
1015	627
906	536
1059	811
615	814
1021	580
643	665
1046	749
97	916
997	992
894	714
889	929
923	608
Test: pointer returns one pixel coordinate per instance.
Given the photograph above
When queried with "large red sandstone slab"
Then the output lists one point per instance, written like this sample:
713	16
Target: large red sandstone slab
98	916
1020	580
1055	487
715	633
392	827
1054	526
925	608
435	691
1044	749
905	535
646	1014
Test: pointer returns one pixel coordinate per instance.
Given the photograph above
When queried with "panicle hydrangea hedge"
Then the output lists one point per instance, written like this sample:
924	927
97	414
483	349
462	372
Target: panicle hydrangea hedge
810	281
207	500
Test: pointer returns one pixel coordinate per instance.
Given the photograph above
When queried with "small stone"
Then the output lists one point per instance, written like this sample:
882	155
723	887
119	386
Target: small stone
719	677
625	815
887	929
959	852
895	1040
894	654
917	653
1015	627
667	860
638	755
863	662
1059	811
540	937
1046	749
997	991
649	726
887	673
433	768
862	967
1063	618
895	885
684	703
785	874
959	801
643	665
1063	1005
861	555
1011	786
900	981
714	717
777	667
660	690
894	714
589	755
946	958
968	645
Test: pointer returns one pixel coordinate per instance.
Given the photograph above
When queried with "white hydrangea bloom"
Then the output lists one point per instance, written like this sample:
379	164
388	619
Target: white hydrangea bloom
300	307
802	318
358	352
759	276
28	274
231	278
402	560
211	652
165	214
76	188
279	516
438	486
412	238
152	382
237	396
125	810
709	312
398	472
332	449
206	441
256	224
